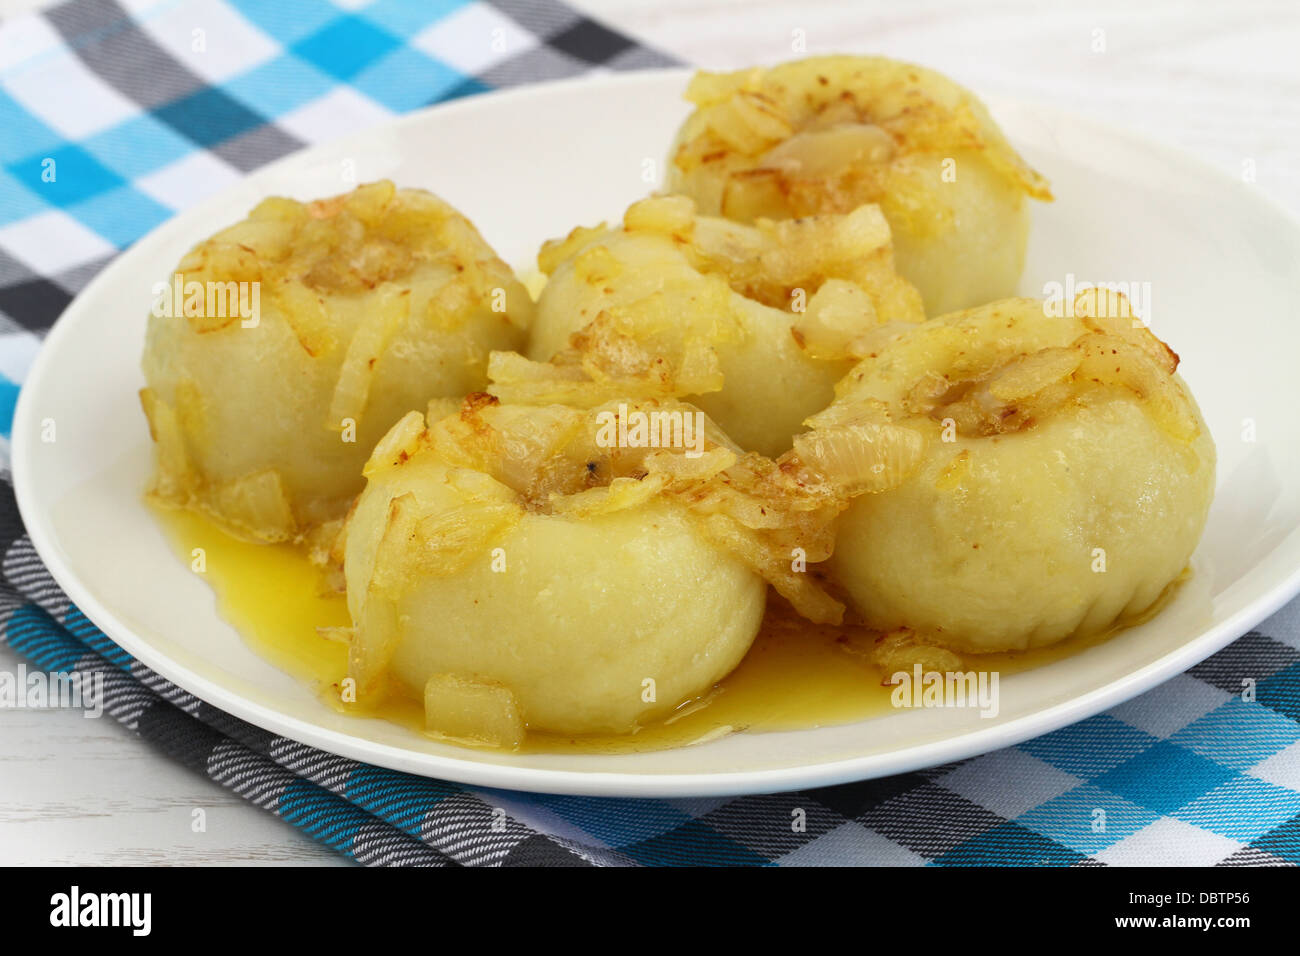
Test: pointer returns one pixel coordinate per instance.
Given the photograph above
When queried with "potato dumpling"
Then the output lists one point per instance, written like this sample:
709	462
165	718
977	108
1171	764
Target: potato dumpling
828	134
523	570
1057	479
752	323
365	305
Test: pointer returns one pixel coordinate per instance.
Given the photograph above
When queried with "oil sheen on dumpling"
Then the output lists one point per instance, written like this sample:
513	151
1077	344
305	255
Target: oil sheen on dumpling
747	322
521	571
828	134
1058	480
369	304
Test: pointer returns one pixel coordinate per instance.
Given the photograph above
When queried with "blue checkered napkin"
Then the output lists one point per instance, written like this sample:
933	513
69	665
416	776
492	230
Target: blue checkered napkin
141	122
111	122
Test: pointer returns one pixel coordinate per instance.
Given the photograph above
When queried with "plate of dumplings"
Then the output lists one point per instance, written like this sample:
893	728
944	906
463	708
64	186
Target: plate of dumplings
677	434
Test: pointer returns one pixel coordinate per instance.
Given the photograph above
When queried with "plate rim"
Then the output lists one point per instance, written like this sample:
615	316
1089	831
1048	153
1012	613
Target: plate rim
586	782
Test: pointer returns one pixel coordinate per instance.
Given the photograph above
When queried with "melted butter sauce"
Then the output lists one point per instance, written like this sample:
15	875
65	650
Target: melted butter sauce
796	676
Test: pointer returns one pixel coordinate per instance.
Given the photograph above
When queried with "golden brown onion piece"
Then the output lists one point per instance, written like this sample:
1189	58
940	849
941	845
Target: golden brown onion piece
827	134
370	304
1060	474
755	324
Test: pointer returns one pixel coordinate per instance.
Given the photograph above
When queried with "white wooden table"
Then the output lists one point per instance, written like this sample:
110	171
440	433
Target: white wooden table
1219	80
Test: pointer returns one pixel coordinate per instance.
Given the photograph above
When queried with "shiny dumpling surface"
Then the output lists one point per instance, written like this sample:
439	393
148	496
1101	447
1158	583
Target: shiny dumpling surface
367	305
827	134
500	563
744	321
1061	480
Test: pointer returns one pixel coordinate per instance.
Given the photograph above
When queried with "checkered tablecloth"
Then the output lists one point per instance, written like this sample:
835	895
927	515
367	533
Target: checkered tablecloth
114	116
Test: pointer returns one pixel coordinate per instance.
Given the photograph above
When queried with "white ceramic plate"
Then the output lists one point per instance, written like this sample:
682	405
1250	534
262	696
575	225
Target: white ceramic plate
1222	265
